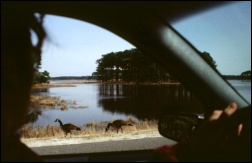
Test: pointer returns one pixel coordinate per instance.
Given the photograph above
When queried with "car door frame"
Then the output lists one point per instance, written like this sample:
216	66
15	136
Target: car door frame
151	33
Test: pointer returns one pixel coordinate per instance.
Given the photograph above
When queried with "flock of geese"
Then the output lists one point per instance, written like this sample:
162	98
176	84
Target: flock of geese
117	124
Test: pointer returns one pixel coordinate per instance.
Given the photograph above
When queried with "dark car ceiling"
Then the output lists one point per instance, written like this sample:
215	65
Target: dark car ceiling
121	15
128	19
131	20
171	10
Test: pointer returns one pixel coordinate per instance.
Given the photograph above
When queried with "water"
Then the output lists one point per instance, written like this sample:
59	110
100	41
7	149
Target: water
84	95
243	87
106	102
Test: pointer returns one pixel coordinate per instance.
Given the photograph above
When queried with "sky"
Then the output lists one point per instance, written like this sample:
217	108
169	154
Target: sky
73	46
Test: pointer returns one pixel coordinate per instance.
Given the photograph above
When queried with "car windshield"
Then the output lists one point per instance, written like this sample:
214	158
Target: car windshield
90	77
226	39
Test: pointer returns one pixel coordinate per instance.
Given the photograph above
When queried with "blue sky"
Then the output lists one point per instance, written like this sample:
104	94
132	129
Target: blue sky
74	46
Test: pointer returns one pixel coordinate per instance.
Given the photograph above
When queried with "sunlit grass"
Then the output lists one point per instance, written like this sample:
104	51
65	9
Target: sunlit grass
88	129
39	102
35	86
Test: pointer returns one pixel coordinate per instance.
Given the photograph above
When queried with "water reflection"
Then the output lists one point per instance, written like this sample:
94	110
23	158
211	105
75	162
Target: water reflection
147	101
115	101
39	90
119	101
243	87
32	116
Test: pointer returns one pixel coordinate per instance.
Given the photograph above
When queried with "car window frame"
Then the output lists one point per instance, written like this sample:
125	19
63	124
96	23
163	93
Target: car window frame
223	93
150	32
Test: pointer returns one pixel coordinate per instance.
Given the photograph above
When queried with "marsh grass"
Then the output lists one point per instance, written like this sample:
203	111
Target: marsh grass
40	102
88	129
36	86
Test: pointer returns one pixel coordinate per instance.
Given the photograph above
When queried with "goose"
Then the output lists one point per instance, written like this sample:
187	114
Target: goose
67	127
117	124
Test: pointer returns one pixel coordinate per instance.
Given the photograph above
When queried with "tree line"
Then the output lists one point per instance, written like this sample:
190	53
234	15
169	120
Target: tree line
72	77
246	75
134	66
131	66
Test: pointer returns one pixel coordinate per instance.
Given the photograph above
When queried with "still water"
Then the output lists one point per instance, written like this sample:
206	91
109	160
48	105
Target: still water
106	102
243	87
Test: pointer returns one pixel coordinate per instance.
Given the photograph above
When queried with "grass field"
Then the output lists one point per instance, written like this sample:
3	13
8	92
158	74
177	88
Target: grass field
92	128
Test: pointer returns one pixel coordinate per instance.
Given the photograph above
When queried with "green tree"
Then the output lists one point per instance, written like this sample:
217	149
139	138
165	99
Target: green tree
246	74
41	77
207	57
130	66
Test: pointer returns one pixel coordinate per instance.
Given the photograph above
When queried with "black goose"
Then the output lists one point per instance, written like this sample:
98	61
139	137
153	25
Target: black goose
67	127
117	124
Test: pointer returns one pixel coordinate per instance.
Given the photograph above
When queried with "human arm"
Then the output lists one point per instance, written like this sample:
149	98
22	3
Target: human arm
223	136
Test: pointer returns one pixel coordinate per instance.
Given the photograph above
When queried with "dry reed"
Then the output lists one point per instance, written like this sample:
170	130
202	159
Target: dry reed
88	129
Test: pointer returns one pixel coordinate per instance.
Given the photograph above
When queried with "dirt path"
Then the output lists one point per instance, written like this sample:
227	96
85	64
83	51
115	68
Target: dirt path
75	139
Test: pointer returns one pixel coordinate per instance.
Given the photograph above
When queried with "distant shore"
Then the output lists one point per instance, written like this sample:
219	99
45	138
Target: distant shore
72	84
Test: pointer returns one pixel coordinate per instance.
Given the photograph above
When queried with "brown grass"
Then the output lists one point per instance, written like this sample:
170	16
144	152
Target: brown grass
88	129
72	84
39	102
35	86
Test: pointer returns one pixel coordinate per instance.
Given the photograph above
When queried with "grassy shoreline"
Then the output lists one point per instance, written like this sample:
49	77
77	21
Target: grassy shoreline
55	141
89	129
41	102
29	131
72	84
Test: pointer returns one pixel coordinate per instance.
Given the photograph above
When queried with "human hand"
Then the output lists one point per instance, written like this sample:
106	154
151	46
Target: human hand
214	131
220	137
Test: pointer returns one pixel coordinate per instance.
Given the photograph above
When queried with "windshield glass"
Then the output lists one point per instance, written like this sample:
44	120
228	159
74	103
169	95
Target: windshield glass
90	77
87	78
224	34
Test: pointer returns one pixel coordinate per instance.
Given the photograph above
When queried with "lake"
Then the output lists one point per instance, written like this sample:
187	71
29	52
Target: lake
106	102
